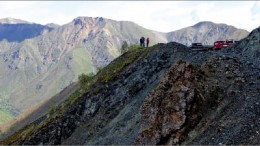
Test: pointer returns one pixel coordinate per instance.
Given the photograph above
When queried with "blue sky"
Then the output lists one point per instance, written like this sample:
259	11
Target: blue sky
162	16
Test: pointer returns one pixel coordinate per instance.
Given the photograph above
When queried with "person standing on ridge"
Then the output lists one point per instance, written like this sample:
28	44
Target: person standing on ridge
143	42
147	42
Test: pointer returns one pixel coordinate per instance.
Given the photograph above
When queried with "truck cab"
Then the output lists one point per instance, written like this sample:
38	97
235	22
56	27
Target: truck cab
219	45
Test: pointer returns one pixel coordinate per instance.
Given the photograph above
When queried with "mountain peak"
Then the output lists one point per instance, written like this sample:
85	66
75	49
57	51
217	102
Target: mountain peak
204	23
86	19
95	21
9	20
52	25
210	24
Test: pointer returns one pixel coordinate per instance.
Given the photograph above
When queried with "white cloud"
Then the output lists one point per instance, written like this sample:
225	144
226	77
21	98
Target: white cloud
232	13
255	12
162	16
12	5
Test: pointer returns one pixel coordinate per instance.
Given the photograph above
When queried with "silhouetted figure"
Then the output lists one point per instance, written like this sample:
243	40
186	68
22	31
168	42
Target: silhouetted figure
143	42
147	42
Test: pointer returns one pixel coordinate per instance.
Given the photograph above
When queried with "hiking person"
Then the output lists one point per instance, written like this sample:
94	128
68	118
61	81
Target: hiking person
143	41
147	42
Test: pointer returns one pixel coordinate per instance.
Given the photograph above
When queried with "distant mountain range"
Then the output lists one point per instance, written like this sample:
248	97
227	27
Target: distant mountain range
13	21
206	33
38	61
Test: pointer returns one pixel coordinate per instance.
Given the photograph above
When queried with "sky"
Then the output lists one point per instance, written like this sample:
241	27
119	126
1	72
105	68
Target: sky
163	16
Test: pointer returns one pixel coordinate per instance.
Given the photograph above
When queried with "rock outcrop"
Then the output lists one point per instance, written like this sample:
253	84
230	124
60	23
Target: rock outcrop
171	109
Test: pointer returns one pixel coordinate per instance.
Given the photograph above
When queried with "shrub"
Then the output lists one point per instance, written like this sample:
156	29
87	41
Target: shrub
124	47
135	47
84	79
100	68
52	109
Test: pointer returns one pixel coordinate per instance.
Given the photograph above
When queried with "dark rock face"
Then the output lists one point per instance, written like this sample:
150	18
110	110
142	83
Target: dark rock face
171	109
230	88
249	48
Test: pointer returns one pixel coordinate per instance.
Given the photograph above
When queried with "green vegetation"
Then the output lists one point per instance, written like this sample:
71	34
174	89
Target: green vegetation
81	63
99	68
74	96
124	47
85	80
52	109
135	47
5	116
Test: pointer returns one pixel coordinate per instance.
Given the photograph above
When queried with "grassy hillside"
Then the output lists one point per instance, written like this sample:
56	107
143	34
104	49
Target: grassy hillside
5	116
81	63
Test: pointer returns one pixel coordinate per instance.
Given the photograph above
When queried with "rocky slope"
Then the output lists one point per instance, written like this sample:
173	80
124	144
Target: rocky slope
166	94
39	61
249	47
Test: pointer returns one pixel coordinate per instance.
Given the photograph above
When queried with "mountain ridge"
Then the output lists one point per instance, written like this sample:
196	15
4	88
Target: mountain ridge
165	94
10	20
37	68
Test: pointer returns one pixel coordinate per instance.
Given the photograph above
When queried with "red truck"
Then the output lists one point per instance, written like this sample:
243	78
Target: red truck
223	44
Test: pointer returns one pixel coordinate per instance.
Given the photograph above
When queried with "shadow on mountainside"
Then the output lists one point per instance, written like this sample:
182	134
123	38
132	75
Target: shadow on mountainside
20	32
